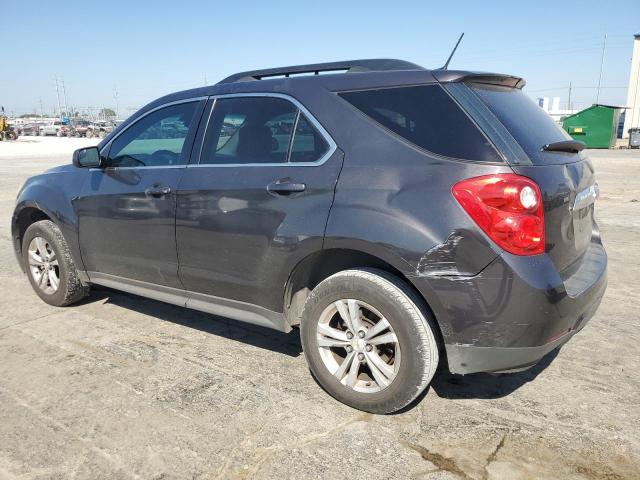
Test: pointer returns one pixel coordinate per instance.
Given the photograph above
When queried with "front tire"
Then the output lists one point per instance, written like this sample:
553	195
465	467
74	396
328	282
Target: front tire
49	266
369	340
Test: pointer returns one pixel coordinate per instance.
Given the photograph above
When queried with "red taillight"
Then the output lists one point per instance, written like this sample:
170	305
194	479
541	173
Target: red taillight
508	208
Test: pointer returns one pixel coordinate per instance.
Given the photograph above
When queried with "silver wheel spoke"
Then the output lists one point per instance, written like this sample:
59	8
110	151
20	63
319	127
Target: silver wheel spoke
380	379
331	332
344	314
53	262
42	281
331	342
52	258
53	279
352	376
34	258
42	247
378	328
354	315
388	337
346	363
386	369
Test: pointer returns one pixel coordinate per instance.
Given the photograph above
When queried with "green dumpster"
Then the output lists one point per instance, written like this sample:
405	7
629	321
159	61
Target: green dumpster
596	126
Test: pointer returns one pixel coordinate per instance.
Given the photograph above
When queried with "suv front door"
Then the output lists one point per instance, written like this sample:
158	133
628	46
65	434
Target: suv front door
127	209
257	202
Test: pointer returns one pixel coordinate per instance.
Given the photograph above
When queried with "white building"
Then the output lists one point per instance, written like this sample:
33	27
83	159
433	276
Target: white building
632	117
553	109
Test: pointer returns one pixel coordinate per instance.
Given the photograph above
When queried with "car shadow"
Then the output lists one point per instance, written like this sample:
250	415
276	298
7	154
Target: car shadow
257	336
445	384
487	385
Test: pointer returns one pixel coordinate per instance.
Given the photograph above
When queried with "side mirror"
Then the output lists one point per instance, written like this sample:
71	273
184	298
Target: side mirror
88	157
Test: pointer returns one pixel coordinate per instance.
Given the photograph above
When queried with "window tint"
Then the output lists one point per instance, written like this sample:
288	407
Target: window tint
308	145
155	140
249	130
427	117
527	122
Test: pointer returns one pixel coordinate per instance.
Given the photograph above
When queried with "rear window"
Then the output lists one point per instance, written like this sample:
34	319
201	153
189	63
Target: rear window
529	125
427	117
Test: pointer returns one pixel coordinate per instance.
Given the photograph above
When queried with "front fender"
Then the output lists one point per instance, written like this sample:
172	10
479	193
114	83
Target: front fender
53	194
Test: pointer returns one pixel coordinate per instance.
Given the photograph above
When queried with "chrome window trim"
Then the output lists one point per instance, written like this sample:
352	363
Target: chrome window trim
147	167
332	144
107	146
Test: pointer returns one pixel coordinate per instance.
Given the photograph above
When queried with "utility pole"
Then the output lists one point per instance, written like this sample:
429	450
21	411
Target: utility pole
115	95
205	79
66	105
569	102
604	46
58	96
41	109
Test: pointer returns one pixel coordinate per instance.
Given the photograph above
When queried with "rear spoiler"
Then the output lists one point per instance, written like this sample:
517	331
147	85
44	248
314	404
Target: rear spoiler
478	77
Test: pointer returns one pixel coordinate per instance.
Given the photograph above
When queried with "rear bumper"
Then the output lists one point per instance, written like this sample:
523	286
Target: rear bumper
464	359
516	310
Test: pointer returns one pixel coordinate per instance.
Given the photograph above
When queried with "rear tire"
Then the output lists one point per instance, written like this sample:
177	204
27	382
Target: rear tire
407	346
49	266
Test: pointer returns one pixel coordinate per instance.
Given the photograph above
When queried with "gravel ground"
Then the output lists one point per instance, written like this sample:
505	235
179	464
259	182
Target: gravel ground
124	387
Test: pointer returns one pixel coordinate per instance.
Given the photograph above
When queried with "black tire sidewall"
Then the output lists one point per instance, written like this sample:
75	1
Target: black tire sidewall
43	229
409	378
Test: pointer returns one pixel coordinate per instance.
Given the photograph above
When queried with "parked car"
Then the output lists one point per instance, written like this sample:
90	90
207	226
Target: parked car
405	219
99	129
29	129
66	131
80	127
51	128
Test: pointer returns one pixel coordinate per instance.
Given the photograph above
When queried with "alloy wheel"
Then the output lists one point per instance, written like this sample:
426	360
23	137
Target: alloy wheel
43	265
358	346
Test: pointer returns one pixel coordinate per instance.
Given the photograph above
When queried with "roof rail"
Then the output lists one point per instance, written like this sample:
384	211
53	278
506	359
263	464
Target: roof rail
377	64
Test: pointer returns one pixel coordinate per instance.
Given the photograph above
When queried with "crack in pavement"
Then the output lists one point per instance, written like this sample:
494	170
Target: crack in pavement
440	461
493	455
449	464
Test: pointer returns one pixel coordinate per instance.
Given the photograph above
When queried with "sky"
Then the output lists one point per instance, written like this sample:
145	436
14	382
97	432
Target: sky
123	54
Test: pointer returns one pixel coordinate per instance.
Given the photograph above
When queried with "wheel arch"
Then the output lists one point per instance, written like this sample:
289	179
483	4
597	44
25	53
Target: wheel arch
26	214
320	265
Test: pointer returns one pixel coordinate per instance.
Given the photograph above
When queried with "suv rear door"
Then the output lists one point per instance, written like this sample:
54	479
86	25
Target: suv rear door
257	199
127	210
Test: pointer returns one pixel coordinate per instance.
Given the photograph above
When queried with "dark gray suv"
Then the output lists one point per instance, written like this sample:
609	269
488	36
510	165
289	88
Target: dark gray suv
402	218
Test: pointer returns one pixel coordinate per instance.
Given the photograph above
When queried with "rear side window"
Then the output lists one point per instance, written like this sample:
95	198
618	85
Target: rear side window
529	125
308	145
255	130
249	130
427	117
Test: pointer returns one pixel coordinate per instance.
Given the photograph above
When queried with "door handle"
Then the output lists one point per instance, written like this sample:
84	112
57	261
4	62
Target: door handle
285	188
157	191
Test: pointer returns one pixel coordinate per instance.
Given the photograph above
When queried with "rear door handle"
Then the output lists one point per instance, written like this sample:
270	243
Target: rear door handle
157	191
286	188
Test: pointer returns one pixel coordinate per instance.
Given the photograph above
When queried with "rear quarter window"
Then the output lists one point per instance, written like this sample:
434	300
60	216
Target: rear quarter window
427	117
529	125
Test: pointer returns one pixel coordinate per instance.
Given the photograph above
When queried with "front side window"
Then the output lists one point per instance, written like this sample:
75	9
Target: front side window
260	130
427	117
157	139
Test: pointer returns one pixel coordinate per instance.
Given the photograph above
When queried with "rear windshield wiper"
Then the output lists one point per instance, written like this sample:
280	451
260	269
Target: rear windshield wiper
571	146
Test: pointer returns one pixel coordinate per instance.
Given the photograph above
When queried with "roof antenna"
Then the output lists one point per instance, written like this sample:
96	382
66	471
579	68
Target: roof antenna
452	52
